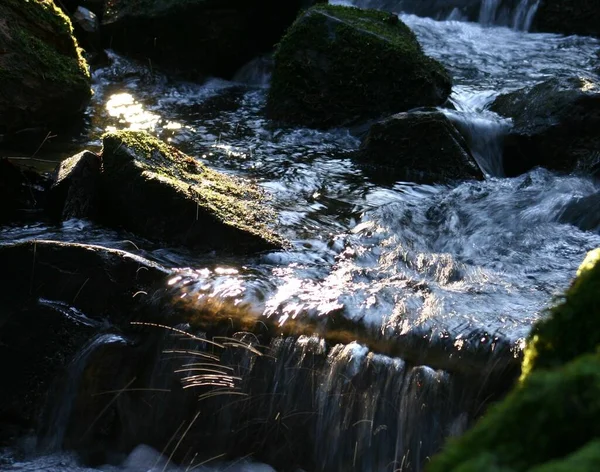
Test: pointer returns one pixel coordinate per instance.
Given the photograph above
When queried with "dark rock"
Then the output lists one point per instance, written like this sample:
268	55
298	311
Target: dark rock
583	212
569	17
44	80
339	65
99	281
555	126
22	190
158	192
420	147
214	37
55	298
74	190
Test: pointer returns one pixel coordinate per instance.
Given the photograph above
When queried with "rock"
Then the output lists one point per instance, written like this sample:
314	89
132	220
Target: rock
583	212
568	17
44	80
338	65
557	397
74	190
421	146
55	298
101	282
555	126
21	191
158	192
214	37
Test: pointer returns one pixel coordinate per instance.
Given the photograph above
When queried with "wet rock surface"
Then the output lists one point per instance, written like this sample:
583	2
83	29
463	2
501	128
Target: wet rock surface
420	147
338	65
569	17
44	80
555	126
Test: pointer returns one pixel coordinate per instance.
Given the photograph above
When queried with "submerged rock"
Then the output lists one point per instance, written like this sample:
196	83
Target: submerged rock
555	126
213	37
569	17
158	192
583	212
44	80
337	65
421	146
74	189
551	421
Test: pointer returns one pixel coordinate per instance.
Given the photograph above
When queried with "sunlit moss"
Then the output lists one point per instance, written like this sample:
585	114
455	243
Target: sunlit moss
573	326
165	193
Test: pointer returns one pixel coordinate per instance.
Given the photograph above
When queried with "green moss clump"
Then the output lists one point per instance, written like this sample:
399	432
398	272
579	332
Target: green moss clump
338	64
161	193
44	79
572	327
551	420
547	417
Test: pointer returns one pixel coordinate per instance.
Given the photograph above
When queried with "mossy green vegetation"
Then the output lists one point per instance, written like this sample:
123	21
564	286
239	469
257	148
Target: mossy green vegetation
162	193
337	65
573	327
551	420
43	75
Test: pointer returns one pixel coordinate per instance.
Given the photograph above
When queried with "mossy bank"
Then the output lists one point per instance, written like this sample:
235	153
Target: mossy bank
44	79
338	65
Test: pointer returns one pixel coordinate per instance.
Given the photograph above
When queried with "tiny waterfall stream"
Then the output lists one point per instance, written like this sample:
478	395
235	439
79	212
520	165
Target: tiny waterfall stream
472	264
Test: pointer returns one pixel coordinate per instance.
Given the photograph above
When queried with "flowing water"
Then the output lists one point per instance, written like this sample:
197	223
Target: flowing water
474	262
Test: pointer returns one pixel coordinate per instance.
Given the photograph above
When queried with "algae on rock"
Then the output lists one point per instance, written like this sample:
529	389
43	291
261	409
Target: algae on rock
44	79
160	193
338	65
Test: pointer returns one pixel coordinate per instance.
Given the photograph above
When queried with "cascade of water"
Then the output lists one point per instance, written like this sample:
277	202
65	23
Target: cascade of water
57	418
488	11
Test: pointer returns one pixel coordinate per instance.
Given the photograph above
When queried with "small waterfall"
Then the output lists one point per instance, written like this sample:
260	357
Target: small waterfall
517	14
57	418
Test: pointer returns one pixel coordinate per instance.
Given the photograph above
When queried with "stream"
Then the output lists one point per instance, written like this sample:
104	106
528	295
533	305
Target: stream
402	259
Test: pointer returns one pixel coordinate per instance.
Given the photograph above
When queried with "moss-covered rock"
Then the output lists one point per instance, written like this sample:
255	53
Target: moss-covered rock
160	193
573	327
555	125
569	17
337	65
214	37
419	147
551	420
44	80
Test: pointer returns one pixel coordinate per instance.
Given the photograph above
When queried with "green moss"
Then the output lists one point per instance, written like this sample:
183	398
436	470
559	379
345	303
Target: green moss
38	36
337	64
549	416
572	327
233	202
585	459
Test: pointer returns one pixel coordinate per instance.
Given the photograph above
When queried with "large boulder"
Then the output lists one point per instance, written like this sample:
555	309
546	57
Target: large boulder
551	420
555	125
44	80
420	146
569	17
338	65
213	37
158	192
